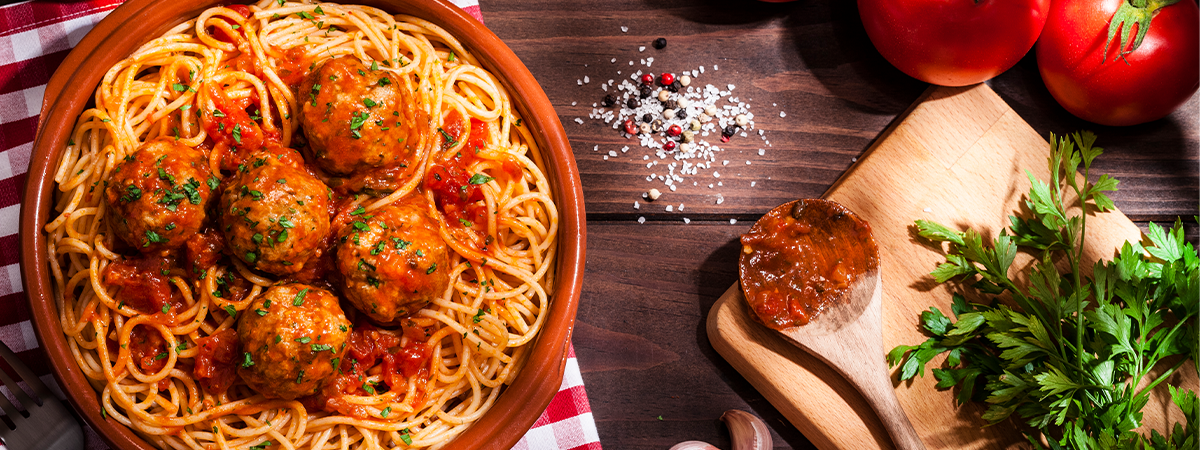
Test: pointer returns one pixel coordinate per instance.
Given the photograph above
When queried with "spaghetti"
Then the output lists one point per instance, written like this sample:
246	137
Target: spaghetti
230	85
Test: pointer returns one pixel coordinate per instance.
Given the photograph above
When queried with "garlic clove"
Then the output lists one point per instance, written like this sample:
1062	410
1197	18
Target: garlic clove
693	445
747	431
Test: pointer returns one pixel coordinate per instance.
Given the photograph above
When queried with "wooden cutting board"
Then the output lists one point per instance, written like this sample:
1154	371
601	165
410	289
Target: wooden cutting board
957	157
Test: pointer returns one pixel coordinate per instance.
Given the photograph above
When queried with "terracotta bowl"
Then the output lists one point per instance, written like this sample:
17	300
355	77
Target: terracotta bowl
138	21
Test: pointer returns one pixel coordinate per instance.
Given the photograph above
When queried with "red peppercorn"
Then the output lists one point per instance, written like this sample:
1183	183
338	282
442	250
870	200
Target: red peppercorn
666	79
648	79
674	130
669	146
629	127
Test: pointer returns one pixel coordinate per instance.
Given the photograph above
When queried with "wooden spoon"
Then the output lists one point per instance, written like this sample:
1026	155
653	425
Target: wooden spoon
810	270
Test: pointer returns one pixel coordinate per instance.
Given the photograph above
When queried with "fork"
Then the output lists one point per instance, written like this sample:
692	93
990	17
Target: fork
45	423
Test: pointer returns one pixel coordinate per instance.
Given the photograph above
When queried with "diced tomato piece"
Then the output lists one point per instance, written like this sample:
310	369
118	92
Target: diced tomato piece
215	369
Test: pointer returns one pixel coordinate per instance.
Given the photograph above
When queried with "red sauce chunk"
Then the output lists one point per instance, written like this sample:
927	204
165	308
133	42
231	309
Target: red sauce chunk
457	191
802	257
215	369
148	349
405	360
144	284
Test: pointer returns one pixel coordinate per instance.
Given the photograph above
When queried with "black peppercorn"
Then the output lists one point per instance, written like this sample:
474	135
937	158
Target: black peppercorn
633	103
675	86
660	43
644	92
609	100
681	114
657	126
729	131
670	104
647	117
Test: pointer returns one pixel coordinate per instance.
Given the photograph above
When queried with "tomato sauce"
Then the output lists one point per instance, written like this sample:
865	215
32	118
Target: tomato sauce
802	257
367	348
145	284
148	349
232	126
215	369
456	197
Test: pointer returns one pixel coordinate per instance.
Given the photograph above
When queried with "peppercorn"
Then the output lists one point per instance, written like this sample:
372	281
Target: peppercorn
711	110
683	103
675	86
666	79
648	79
689	136
741	120
668	113
608	100
645	128
674	130
685	80
695	124
669	146
681	114
647	117
633	103
729	131
671	104
663	96
629	128
645	92
657	125
660	43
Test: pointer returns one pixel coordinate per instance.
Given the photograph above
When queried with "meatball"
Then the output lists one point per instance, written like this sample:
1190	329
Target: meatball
293	337
359	119
274	213
160	194
393	260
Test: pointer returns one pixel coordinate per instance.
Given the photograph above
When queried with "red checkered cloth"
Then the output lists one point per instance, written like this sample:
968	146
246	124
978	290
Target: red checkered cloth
34	39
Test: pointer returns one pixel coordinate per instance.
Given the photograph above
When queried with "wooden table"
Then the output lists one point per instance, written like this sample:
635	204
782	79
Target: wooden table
652	377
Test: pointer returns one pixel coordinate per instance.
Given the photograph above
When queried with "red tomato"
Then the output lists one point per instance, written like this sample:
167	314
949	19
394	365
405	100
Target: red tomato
1089	76
953	42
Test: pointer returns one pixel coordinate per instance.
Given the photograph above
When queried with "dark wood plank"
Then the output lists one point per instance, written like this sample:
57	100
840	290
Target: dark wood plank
814	61
641	342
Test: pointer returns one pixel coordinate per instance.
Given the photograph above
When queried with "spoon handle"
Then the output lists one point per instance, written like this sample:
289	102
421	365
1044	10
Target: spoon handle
878	391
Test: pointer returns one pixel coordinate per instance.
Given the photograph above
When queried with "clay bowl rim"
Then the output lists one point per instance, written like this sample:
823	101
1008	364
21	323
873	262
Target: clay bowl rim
139	21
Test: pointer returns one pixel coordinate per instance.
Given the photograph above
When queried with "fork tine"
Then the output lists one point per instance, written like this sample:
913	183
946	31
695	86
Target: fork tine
10	410
33	381
16	390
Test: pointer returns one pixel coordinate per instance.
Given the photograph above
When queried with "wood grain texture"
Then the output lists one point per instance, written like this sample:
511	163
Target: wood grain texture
915	172
648	287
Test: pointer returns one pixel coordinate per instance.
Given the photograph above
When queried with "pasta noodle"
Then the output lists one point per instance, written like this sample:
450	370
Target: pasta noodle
478	330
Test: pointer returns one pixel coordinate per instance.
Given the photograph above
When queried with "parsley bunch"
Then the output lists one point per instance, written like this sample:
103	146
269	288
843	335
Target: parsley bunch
1074	357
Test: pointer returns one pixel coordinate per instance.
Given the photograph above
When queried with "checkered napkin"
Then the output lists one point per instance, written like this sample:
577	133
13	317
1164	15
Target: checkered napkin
35	37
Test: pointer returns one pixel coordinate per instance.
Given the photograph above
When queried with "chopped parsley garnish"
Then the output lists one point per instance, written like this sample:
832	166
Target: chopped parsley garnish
385	412
480	178
358	211
322	347
361	226
251	257
363	263
231	310
303	340
152	237
466	223
370	103
131	193
378	248
299	300
432	267
247	361
286	222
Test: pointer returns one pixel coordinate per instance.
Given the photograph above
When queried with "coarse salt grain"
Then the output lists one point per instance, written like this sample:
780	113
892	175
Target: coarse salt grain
686	220
624	29
642	48
732	221
579	121
782	114
641	219
636	205
928	209
669	208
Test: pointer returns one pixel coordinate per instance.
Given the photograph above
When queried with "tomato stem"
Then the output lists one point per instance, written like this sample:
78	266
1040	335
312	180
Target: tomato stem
1130	13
